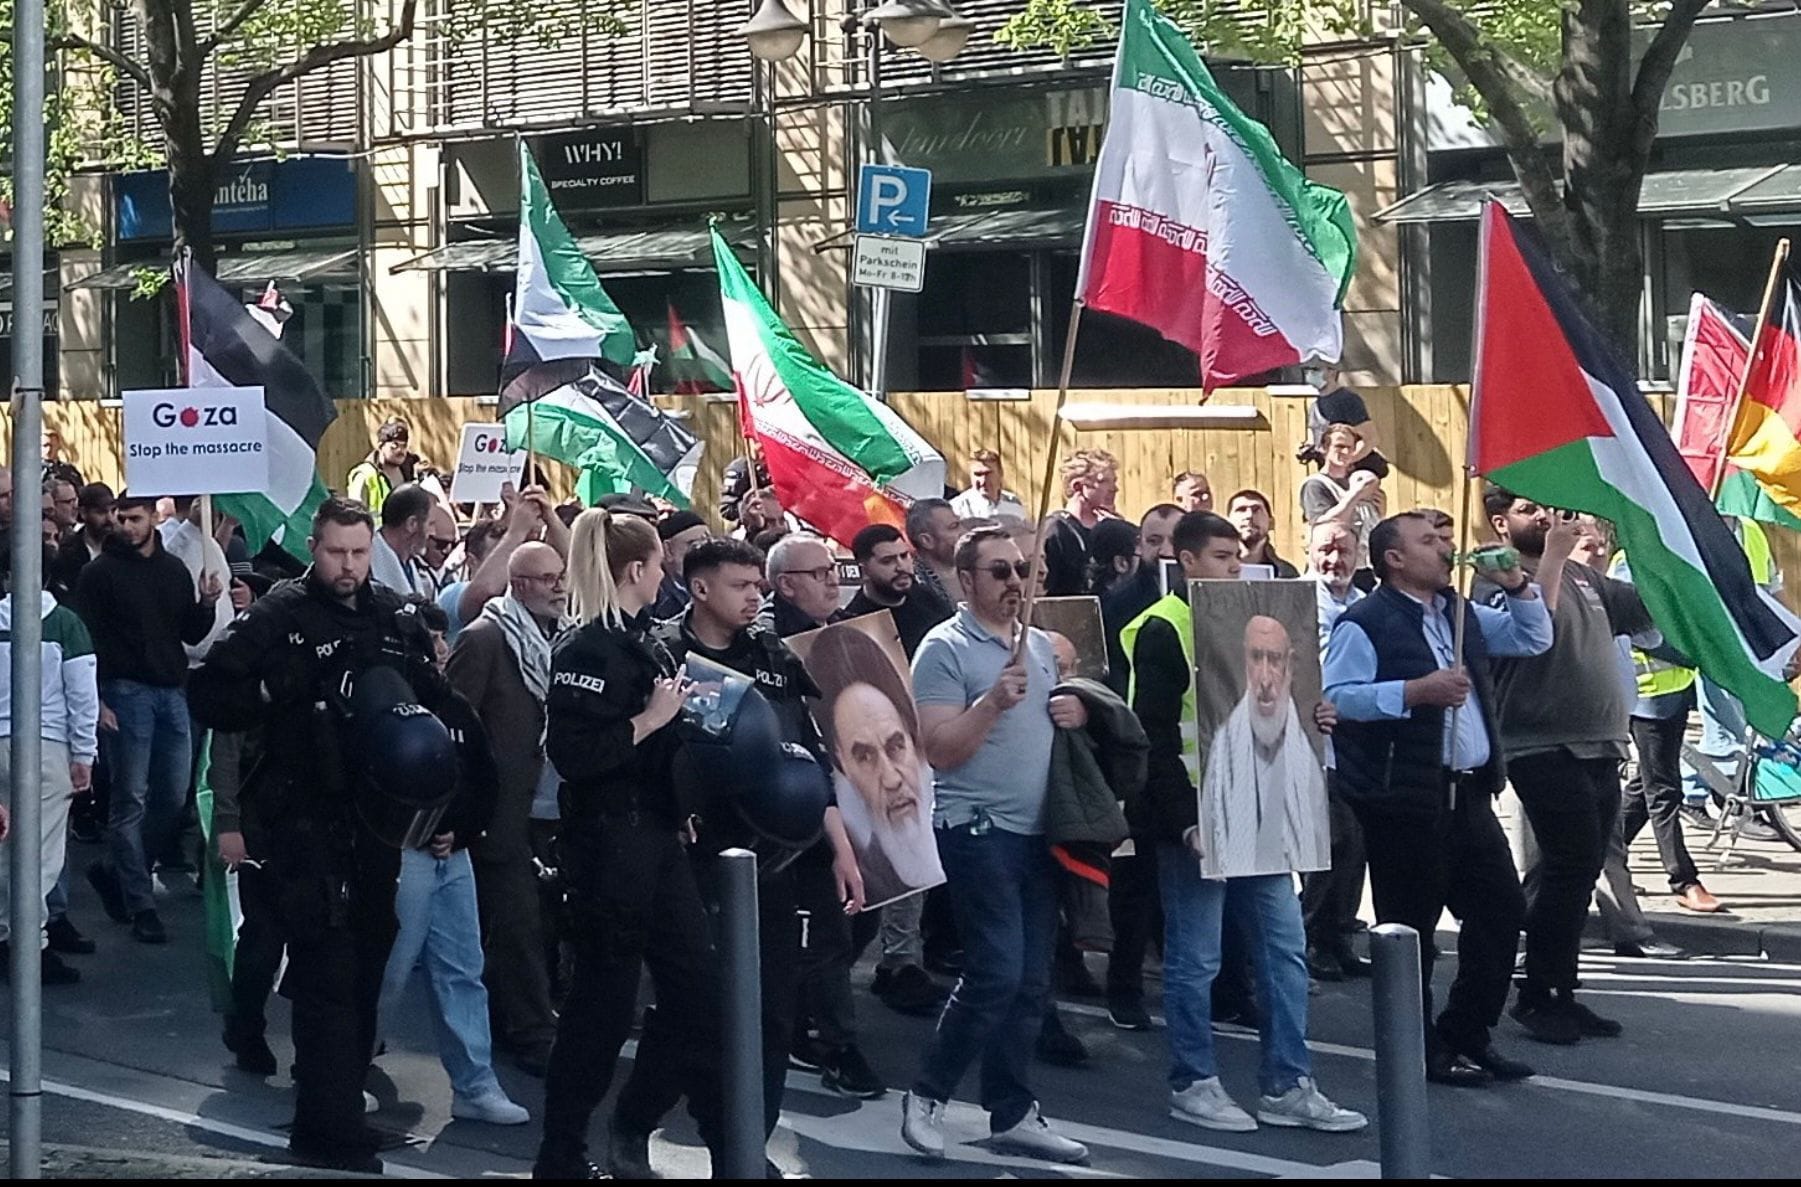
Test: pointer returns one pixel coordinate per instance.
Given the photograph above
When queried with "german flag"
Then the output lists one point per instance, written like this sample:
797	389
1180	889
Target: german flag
1766	434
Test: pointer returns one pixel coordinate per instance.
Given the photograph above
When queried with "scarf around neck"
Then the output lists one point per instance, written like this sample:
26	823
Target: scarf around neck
526	639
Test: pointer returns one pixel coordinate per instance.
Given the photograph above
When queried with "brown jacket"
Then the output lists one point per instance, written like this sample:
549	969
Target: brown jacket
482	667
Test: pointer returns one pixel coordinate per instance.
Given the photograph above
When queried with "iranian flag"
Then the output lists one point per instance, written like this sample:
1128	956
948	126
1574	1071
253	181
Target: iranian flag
1556	419
1200	228
839	460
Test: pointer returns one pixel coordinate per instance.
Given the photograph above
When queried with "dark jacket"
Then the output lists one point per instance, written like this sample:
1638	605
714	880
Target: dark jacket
1065	556
1398	766
63	574
1094	768
140	610
781	616
288	666
601	677
1121	605
919	612
484	671
735	483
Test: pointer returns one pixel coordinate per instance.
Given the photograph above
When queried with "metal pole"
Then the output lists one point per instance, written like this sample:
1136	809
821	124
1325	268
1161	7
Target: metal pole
743	1062
25	1089
872	152
1400	1053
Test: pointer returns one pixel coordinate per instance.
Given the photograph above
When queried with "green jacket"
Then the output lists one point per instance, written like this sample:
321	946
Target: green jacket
1094	768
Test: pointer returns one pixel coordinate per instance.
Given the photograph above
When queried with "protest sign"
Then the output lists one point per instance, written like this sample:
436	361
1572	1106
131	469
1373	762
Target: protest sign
196	441
483	465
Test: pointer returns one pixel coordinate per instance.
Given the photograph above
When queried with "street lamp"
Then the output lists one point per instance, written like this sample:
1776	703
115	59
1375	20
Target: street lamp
774	34
909	23
952	35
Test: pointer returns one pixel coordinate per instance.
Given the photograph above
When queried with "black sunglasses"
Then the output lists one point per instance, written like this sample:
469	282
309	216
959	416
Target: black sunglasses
998	570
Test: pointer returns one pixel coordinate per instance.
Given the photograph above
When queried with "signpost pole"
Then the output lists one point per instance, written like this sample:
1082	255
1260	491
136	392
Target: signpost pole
25	1084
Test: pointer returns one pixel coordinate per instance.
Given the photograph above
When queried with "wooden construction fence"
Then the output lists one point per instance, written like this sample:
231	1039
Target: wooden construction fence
1422	429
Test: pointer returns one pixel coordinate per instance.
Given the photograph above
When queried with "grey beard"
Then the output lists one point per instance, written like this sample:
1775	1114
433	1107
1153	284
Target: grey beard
1268	731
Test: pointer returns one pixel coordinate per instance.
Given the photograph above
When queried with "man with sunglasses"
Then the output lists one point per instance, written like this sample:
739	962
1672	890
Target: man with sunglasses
988	721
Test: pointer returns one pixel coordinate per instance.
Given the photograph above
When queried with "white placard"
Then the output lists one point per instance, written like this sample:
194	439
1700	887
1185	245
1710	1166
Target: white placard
483	465
196	441
880	262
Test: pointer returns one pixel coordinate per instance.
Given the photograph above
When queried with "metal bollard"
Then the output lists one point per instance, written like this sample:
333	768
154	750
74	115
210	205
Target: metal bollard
1401	1119
743	1034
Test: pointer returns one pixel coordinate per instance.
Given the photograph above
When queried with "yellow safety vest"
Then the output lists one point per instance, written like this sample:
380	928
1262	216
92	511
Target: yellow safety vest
1175	611
1657	677
1757	551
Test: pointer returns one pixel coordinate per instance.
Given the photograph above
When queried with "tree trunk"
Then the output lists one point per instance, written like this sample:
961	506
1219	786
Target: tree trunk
193	182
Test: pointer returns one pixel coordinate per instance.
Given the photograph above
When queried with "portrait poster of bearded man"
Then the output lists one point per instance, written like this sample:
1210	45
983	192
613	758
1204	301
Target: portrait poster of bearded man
1263	807
870	726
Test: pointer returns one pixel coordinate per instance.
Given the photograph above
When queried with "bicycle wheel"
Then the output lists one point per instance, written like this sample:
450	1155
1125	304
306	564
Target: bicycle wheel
1785	818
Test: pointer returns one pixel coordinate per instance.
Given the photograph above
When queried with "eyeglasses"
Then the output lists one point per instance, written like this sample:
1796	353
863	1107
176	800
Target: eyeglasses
823	573
999	570
441	542
540	578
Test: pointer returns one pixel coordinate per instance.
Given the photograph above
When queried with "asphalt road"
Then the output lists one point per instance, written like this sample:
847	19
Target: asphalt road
1702	1084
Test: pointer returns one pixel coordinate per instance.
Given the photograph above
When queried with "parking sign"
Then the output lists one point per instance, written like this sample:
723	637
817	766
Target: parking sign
893	200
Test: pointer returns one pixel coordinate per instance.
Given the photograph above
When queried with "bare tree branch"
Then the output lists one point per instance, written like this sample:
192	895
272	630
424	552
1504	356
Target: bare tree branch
320	56
106	53
1655	68
230	25
1505	86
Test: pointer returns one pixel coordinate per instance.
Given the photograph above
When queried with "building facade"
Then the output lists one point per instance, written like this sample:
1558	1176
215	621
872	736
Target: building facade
387	220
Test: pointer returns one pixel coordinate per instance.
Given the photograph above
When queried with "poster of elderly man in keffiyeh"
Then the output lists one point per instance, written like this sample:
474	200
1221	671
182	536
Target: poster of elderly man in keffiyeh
1257	683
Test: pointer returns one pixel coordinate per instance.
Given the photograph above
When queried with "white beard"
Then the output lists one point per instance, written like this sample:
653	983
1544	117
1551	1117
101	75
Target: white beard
1268	730
910	847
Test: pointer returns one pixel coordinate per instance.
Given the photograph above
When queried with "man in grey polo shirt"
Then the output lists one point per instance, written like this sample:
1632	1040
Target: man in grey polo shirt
988	724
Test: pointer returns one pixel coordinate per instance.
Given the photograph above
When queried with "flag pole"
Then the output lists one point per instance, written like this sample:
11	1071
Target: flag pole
1744	381
1047	476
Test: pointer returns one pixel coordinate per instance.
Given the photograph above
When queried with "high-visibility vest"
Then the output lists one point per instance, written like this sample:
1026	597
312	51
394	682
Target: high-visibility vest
1657	677
1173	610
1757	551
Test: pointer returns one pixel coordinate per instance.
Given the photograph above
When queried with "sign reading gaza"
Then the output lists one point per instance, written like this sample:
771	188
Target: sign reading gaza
196	441
484	465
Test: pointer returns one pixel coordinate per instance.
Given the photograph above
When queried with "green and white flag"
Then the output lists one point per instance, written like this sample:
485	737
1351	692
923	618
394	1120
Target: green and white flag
619	442
559	309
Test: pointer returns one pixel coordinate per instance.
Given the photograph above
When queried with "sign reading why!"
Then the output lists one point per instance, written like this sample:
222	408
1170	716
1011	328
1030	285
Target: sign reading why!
196	441
483	464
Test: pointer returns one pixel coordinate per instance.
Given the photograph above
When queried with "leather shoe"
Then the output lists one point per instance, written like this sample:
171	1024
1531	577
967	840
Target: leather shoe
1498	1065
1457	1071
1352	965
1545	1022
1697	898
66	938
1650	950
1323	965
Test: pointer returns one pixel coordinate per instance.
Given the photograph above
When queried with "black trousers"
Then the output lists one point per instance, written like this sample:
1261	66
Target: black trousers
1654	795
1136	906
1330	898
257	957
826	952
337	915
654	1088
1419	866
633	903
1573	805
514	968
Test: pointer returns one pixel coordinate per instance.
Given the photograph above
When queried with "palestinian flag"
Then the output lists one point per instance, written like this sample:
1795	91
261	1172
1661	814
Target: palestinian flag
1199	228
224	346
696	366
1715	351
577	414
1765	441
559	309
839	460
1555	418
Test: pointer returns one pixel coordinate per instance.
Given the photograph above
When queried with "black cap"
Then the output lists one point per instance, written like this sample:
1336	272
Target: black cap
677	523
626	505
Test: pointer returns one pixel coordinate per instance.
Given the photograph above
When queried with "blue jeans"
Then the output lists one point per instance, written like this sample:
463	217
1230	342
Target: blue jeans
1722	736
1003	895
435	905
1269	913
150	782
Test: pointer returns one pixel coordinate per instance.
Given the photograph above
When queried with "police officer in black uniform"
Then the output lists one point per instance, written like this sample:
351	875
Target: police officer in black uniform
630	893
772	802
293	665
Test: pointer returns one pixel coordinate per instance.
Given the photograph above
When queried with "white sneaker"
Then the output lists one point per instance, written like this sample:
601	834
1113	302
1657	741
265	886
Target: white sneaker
922	1125
1034	1137
490	1108
1305	1107
1206	1104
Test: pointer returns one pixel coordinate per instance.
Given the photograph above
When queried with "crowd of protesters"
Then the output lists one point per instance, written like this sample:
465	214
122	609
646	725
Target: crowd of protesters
536	905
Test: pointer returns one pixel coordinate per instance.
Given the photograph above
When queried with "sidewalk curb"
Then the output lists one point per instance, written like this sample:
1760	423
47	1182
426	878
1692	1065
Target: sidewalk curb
1723	934
93	1162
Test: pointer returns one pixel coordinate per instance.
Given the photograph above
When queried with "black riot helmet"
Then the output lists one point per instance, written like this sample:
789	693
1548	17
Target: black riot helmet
406	760
733	759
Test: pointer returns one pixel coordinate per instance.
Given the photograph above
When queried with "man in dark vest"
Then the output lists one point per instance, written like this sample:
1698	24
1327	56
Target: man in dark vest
1419	760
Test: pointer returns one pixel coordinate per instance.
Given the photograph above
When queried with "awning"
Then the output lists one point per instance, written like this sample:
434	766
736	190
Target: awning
1676	192
971	230
667	249
304	267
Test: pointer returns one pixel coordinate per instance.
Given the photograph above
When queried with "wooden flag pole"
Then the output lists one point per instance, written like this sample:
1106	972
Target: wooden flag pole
1744	380
1047	476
